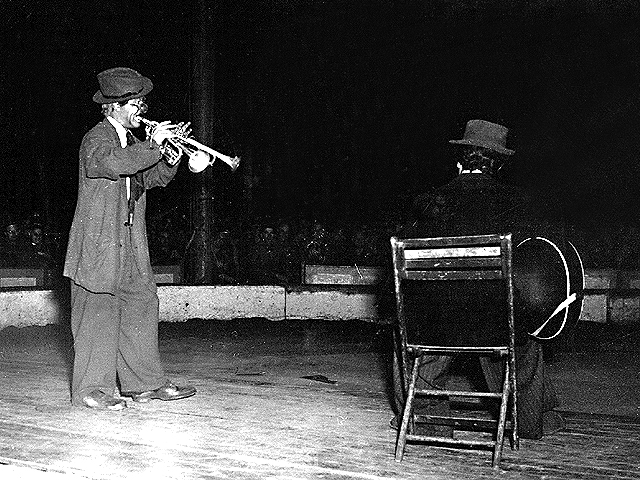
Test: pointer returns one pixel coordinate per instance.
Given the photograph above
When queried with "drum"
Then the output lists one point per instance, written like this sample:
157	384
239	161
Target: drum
548	280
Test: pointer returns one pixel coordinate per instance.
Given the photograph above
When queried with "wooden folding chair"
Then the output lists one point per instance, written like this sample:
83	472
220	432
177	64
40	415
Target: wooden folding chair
466	260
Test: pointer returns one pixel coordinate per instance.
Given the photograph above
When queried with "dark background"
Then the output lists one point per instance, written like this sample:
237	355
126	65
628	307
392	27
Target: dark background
339	109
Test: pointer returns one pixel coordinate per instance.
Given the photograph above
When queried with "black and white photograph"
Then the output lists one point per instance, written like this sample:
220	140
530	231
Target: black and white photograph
320	239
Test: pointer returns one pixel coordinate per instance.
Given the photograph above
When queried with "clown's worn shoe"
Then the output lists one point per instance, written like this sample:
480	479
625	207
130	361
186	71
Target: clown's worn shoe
169	391
101	401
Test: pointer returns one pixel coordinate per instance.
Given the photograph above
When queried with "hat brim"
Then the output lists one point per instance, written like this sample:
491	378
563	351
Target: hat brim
491	146
147	86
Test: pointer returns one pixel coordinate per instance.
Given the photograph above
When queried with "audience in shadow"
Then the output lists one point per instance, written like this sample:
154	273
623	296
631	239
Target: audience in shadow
271	251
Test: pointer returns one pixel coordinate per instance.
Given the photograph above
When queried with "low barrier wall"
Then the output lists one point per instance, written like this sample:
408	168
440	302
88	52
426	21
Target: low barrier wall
22	308
610	297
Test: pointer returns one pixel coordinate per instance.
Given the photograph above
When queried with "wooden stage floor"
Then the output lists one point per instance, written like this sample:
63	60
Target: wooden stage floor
256	417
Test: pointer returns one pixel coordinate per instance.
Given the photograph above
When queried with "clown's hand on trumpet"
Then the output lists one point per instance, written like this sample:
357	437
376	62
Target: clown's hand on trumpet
162	132
174	140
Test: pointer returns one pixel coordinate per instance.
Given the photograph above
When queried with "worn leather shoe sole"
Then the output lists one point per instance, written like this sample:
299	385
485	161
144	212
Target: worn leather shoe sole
101	401
165	393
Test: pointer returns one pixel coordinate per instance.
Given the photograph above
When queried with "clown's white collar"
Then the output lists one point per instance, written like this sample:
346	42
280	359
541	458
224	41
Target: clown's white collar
122	132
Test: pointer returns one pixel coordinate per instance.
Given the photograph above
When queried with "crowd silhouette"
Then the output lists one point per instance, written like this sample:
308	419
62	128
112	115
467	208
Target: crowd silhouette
273	251
26	244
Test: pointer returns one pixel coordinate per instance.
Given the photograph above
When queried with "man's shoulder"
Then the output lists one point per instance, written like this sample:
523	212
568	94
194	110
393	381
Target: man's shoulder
102	128
473	179
102	132
481	184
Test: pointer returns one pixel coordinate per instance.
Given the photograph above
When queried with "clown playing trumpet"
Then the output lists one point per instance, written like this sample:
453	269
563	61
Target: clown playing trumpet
114	300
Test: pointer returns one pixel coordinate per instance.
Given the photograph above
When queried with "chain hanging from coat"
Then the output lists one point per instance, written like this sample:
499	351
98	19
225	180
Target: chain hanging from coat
136	184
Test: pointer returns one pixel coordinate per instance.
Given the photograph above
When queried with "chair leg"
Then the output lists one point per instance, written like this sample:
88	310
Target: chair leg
407	414
515	438
504	403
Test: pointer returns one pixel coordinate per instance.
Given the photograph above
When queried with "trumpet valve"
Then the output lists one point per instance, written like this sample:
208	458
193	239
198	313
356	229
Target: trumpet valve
171	153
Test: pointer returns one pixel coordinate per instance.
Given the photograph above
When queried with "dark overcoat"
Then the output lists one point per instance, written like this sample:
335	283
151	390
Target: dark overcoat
470	204
476	204
98	231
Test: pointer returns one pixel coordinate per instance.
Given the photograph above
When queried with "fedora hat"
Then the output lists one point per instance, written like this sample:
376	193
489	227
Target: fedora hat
120	84
481	133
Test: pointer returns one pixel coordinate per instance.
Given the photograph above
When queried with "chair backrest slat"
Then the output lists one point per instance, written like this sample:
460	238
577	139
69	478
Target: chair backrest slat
447	252
453	275
454	263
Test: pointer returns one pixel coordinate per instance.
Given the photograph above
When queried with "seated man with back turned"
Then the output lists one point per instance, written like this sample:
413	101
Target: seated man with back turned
476	203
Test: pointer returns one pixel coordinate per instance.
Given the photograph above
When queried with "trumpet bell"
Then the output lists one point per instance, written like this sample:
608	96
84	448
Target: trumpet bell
198	161
233	163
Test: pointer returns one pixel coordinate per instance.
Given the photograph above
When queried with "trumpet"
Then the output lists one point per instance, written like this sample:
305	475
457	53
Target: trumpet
179	143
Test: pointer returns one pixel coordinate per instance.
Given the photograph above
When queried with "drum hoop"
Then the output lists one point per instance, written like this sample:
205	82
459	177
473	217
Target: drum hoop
567	283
